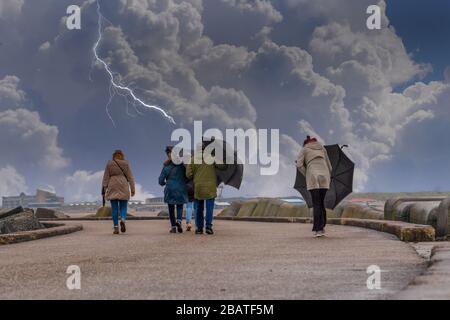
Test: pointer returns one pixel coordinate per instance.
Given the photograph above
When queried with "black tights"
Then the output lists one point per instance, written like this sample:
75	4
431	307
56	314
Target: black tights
320	214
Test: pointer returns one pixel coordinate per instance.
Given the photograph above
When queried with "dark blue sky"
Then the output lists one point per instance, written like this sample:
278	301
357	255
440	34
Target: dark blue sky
424	27
299	66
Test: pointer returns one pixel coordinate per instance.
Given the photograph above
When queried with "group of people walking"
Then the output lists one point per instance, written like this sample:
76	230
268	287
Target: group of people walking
195	187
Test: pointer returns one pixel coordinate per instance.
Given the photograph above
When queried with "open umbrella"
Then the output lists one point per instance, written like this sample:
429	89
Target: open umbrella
233	173
341	179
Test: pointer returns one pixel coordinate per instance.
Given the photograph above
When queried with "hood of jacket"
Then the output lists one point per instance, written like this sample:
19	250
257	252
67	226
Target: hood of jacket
314	146
200	157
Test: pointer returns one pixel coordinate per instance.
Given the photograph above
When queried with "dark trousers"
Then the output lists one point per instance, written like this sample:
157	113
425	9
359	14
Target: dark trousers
320	214
199	209
173	220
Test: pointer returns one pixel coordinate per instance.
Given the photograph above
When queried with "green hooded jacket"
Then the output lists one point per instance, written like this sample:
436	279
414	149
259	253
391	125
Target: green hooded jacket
204	176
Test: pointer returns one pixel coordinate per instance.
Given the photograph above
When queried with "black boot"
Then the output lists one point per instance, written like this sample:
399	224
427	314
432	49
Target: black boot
179	227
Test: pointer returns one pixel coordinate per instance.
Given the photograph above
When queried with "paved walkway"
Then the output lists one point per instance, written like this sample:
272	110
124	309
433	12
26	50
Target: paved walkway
244	260
434	284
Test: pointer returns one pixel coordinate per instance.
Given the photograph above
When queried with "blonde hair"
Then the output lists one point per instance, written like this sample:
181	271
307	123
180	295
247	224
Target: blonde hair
118	155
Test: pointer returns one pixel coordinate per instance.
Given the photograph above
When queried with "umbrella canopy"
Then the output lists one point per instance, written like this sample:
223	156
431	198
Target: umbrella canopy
234	171
341	179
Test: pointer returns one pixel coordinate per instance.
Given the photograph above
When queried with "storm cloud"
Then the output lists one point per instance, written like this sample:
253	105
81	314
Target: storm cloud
304	67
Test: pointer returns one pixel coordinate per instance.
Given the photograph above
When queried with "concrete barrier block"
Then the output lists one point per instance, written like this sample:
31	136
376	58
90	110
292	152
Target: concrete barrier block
247	208
261	207
421	213
272	208
417	234
44	213
5	213
330	214
51	230
443	219
360	212
396	208
338	211
404	231
104	212
232	210
293	210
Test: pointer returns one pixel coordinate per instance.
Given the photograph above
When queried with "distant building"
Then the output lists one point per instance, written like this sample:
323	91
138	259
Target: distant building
156	200
221	204
362	200
42	199
293	200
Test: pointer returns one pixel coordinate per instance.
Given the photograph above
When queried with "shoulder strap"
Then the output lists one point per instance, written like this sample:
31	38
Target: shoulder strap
126	177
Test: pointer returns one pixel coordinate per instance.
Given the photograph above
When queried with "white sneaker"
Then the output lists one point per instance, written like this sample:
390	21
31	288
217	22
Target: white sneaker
319	234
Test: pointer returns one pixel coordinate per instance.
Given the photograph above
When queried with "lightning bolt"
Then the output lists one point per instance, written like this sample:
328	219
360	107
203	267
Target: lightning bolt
117	88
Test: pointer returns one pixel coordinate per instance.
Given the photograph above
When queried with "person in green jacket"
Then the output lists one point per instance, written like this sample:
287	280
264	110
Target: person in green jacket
202	170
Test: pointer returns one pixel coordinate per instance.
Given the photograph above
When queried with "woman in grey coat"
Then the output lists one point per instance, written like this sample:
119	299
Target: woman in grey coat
118	186
314	164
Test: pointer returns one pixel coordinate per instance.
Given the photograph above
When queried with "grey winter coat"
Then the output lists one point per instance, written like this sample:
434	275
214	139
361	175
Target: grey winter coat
117	183
313	162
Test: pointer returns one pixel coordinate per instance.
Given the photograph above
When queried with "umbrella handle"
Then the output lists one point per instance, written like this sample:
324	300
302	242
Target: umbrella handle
344	146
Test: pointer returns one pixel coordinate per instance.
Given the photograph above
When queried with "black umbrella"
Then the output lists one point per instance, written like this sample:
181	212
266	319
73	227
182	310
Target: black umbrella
341	179
233	173
103	196
234	169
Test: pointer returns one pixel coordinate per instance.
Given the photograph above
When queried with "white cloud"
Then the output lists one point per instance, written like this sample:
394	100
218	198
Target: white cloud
86	186
11	96
9	9
83	186
33	140
382	52
447	74
23	135
11	182
141	193
256	185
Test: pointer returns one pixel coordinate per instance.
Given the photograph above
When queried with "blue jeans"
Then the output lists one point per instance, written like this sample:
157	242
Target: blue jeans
116	206
179	217
190	208
200	204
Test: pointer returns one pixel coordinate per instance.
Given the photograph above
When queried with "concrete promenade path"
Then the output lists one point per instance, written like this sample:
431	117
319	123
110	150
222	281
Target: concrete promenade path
434	284
243	260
